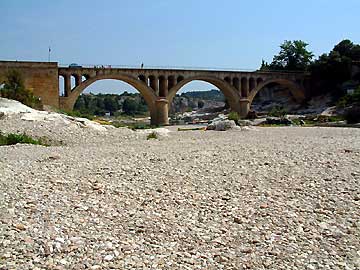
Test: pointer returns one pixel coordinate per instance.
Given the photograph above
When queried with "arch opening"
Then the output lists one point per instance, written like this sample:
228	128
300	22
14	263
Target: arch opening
207	96
251	84
276	94
143	79
61	86
112	98
199	97
179	79
236	83
154	84
72	82
171	82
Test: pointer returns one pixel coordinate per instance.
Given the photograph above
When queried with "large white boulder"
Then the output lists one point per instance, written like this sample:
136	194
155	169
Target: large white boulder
12	107
222	125
9	106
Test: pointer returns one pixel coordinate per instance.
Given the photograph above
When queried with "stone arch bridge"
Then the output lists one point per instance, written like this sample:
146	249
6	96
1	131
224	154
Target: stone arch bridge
157	86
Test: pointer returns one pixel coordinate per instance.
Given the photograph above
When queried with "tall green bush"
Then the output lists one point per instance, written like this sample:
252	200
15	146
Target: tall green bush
234	116
14	89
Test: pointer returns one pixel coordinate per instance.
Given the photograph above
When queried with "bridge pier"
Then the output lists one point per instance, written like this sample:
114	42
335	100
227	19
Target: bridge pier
67	86
244	107
162	110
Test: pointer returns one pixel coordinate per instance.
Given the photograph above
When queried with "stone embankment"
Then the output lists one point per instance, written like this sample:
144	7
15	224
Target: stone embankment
263	198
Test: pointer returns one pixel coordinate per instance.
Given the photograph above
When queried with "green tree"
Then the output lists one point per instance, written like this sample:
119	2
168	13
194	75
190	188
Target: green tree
331	70
110	104
130	106
344	48
14	88
293	56
264	65
201	104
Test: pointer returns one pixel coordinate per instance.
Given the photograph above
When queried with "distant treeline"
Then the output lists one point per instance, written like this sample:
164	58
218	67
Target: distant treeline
213	94
100	104
134	103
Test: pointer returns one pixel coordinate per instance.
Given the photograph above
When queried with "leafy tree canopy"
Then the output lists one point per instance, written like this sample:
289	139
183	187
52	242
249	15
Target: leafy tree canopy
332	70
14	88
293	56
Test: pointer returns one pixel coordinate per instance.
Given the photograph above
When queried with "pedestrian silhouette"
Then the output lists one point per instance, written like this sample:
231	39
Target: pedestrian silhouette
142	65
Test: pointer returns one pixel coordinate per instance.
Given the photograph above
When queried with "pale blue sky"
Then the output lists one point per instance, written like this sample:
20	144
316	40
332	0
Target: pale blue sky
196	33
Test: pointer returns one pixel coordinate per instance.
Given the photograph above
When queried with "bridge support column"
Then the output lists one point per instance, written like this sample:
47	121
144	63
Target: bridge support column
67	85
244	107
163	87
162	110
154	84
77	80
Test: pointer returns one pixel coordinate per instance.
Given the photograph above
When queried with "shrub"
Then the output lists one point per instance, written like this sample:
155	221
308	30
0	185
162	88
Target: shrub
349	99
14	89
140	126
277	112
152	135
233	116
352	115
77	114
12	138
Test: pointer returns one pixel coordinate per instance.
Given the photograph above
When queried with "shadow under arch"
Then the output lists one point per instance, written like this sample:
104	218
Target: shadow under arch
147	93
228	90
296	90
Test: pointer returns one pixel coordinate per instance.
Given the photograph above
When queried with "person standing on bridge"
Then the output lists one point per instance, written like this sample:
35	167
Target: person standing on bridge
142	65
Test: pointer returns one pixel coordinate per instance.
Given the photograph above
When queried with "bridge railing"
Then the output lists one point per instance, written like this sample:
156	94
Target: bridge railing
176	68
156	67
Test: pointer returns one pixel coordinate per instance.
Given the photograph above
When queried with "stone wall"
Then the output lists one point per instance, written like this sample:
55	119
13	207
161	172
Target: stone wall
39	77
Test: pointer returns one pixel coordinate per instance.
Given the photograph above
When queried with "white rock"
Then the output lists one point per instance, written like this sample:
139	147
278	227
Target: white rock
108	257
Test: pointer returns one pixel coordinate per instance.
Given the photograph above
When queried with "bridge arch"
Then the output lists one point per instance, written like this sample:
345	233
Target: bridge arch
227	89
147	93
295	89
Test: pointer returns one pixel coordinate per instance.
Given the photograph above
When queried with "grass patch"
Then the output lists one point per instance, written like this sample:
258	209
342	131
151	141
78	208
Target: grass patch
77	114
151	136
12	139
141	126
103	122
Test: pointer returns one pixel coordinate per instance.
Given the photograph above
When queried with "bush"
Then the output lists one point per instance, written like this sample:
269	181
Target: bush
234	116
277	112
152	135
352	115
12	139
141	126
14	89
77	114
349	99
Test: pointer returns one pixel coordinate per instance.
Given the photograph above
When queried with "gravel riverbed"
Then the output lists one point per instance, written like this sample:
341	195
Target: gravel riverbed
263	198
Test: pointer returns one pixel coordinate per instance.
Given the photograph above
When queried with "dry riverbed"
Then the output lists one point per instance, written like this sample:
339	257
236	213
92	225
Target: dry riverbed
264	198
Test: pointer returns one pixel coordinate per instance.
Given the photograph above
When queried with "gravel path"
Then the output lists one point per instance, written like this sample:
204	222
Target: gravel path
267	198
